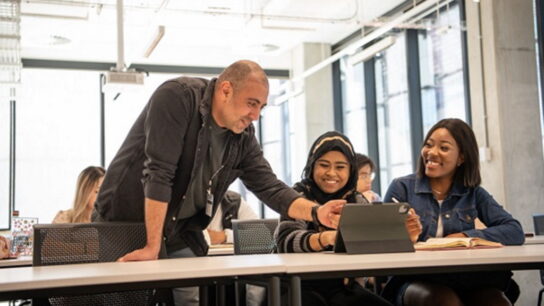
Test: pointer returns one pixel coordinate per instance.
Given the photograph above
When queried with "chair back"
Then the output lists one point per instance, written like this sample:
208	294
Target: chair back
538	222
71	243
254	236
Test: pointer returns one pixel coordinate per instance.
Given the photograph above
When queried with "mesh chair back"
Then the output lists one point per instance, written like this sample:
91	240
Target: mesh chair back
59	244
254	236
538	222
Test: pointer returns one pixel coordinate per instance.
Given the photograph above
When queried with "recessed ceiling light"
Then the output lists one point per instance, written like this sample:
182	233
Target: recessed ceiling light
58	40
263	48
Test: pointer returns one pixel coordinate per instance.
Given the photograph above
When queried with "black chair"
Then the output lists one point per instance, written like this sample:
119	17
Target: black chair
538	222
253	237
59	244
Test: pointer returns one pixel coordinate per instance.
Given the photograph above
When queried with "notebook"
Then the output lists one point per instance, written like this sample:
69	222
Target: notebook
375	228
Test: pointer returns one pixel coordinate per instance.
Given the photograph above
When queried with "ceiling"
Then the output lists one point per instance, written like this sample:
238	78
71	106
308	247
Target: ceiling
209	33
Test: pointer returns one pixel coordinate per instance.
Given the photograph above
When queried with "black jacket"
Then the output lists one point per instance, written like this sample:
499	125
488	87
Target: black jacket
161	152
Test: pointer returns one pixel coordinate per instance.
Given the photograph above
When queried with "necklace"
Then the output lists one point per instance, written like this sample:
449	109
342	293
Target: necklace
437	192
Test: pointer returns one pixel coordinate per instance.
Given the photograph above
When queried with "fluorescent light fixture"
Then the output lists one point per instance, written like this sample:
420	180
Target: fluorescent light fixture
370	51
157	38
409	14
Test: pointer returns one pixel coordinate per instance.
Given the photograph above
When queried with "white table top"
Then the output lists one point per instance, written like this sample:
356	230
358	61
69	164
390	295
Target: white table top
324	262
16	262
537	239
48	277
126	272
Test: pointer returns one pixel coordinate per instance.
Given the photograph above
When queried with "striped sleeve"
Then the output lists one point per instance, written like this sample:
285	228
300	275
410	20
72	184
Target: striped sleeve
293	236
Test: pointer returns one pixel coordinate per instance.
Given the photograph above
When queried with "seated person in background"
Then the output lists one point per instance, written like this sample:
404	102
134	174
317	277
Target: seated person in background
446	192
4	247
220	231
365	170
330	173
88	185
232	207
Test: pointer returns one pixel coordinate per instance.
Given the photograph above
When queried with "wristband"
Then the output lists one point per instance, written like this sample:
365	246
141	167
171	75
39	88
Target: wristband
315	219
319	241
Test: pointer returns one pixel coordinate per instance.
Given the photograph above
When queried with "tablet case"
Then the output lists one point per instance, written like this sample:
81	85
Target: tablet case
370	229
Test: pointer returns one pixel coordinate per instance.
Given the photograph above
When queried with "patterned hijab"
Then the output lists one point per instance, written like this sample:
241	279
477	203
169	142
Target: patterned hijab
330	141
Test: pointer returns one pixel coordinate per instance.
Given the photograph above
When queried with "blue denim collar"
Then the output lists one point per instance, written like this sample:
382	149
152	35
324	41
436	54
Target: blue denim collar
422	186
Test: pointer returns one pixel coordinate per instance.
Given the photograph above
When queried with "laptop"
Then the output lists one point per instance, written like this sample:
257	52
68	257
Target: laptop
375	228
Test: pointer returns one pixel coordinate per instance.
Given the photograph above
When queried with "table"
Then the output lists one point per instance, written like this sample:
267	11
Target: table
25	282
330	265
44	281
537	239
21	261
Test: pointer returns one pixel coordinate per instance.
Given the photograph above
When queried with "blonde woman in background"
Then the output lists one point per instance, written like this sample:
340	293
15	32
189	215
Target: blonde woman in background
88	185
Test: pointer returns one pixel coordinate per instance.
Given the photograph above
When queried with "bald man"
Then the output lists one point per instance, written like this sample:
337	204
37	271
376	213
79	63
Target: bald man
191	141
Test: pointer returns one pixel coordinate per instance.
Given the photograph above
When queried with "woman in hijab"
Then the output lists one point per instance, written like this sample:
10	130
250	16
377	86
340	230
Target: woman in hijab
330	173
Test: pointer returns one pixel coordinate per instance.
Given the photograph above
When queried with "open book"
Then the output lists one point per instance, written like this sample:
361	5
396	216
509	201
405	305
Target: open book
455	243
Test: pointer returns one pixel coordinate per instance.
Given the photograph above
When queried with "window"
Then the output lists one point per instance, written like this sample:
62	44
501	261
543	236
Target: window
393	113
538	6
5	122
274	127
441	67
58	133
390	101
354	105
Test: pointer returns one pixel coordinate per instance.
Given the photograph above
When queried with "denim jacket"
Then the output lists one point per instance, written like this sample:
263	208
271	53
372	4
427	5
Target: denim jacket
459	210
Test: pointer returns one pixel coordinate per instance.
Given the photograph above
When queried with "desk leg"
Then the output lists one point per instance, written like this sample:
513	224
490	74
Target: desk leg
220	295
203	295
295	294
274	292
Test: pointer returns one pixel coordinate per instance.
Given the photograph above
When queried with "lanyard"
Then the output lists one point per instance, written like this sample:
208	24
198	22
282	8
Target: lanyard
209	194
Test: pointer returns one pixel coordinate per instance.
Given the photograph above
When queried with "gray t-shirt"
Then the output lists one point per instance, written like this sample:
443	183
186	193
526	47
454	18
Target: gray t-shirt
196	196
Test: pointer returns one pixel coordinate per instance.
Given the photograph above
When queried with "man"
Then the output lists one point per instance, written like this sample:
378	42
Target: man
191	141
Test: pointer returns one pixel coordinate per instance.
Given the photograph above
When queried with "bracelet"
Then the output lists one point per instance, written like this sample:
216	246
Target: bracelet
315	219
319	241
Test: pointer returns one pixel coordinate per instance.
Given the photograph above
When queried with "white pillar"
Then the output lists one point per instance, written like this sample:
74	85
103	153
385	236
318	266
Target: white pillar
312	106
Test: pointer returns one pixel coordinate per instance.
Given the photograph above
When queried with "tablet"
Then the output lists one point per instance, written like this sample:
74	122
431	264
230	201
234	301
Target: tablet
375	228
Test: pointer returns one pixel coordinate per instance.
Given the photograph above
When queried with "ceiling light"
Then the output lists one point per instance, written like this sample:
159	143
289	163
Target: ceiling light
155	41
263	48
58	40
371	50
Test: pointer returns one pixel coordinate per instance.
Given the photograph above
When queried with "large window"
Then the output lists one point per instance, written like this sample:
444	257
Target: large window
5	121
391	100
58	132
